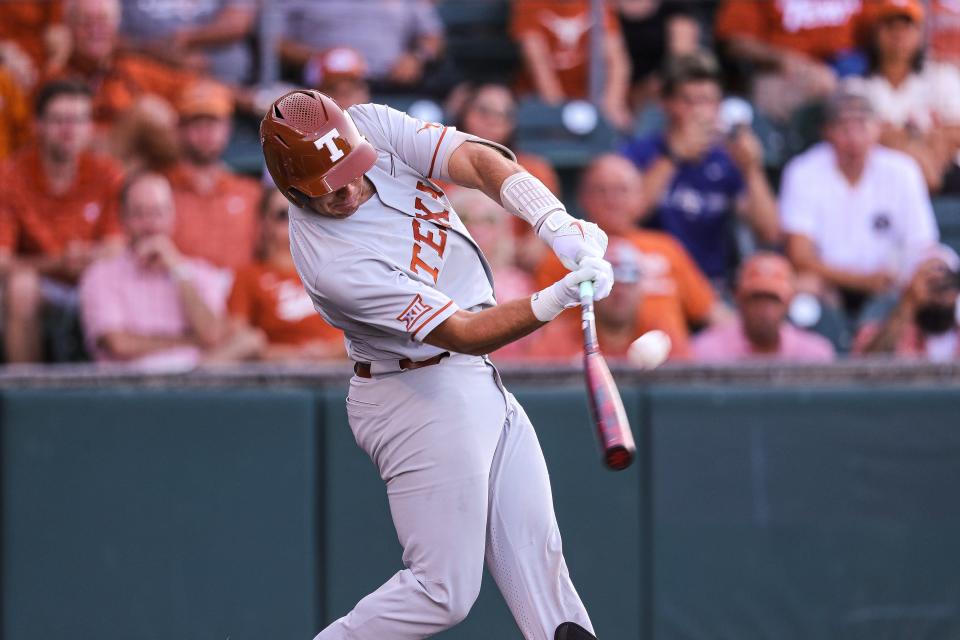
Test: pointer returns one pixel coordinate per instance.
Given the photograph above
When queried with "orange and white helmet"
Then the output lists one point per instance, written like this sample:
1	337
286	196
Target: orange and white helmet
311	146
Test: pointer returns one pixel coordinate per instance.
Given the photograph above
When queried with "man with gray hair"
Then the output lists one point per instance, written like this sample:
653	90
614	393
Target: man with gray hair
117	78
856	214
152	306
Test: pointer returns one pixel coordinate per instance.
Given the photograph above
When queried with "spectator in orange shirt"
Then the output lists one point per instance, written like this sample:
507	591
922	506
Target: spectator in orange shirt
268	296
57	215
676	293
216	209
116	78
798	48
14	115
554	38
923	323
621	317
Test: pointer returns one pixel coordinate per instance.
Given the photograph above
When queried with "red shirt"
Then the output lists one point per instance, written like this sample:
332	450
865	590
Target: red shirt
818	28
33	221
220	225
129	76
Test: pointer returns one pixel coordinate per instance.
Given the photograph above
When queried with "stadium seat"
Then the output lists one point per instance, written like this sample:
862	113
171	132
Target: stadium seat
541	130
243	152
477	38
947	210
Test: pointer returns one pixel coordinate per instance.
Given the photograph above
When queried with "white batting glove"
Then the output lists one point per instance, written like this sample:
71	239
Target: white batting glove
565	293
572	239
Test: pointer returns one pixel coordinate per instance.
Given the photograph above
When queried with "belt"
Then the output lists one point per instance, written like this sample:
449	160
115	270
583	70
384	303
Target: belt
362	369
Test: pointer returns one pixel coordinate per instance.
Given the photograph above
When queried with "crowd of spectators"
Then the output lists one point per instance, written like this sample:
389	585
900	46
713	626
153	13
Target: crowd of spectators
773	168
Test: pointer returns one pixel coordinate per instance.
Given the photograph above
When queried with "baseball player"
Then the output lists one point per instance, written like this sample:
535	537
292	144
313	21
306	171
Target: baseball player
386	259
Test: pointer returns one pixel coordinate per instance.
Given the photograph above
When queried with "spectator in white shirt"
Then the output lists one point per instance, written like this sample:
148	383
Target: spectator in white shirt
918	101
856	214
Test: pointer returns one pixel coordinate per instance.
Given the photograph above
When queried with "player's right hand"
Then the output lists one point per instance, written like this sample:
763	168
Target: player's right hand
565	293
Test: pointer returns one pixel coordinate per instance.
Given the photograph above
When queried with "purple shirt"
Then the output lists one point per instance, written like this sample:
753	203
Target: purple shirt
728	343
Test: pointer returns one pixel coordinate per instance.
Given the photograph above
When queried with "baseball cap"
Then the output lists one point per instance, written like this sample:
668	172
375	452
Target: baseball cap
205	98
943	253
333	65
912	9
625	260
767	273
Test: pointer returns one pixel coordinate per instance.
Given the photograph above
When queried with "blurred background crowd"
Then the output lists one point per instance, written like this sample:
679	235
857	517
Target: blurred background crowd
779	179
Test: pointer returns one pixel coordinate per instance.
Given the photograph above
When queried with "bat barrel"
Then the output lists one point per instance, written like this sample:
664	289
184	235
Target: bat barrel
618	458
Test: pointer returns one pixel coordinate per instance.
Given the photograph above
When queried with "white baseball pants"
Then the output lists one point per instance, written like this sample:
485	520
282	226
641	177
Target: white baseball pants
467	483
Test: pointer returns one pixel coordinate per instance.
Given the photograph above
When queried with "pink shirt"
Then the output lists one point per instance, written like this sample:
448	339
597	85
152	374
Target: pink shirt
912	343
117	294
728	343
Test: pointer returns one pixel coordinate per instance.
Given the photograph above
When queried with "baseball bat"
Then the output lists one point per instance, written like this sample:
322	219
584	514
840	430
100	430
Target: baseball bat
606	407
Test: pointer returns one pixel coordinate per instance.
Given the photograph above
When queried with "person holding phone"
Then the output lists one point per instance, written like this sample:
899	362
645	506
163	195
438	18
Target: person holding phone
699	176
924	322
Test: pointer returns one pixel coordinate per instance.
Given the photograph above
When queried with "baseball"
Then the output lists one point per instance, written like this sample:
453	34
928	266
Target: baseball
650	350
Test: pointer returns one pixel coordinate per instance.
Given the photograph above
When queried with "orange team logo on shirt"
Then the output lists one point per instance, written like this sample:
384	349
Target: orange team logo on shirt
430	125
413	312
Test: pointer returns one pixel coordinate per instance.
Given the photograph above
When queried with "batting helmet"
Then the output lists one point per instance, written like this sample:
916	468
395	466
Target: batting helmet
312	146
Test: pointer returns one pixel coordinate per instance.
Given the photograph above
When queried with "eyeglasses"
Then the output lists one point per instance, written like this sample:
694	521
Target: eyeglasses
493	112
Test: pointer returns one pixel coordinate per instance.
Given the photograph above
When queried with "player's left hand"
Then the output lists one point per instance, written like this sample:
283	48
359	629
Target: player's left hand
565	293
572	239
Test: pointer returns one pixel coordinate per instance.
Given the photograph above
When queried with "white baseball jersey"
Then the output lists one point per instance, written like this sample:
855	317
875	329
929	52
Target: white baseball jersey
403	262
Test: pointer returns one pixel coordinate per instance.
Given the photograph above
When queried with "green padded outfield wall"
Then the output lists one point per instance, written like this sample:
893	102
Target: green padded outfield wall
789	514
753	513
138	515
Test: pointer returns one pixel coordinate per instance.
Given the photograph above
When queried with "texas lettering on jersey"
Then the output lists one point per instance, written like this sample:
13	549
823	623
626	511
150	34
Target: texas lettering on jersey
429	241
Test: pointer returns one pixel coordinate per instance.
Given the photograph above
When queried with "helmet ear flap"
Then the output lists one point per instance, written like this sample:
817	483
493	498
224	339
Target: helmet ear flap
297	197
